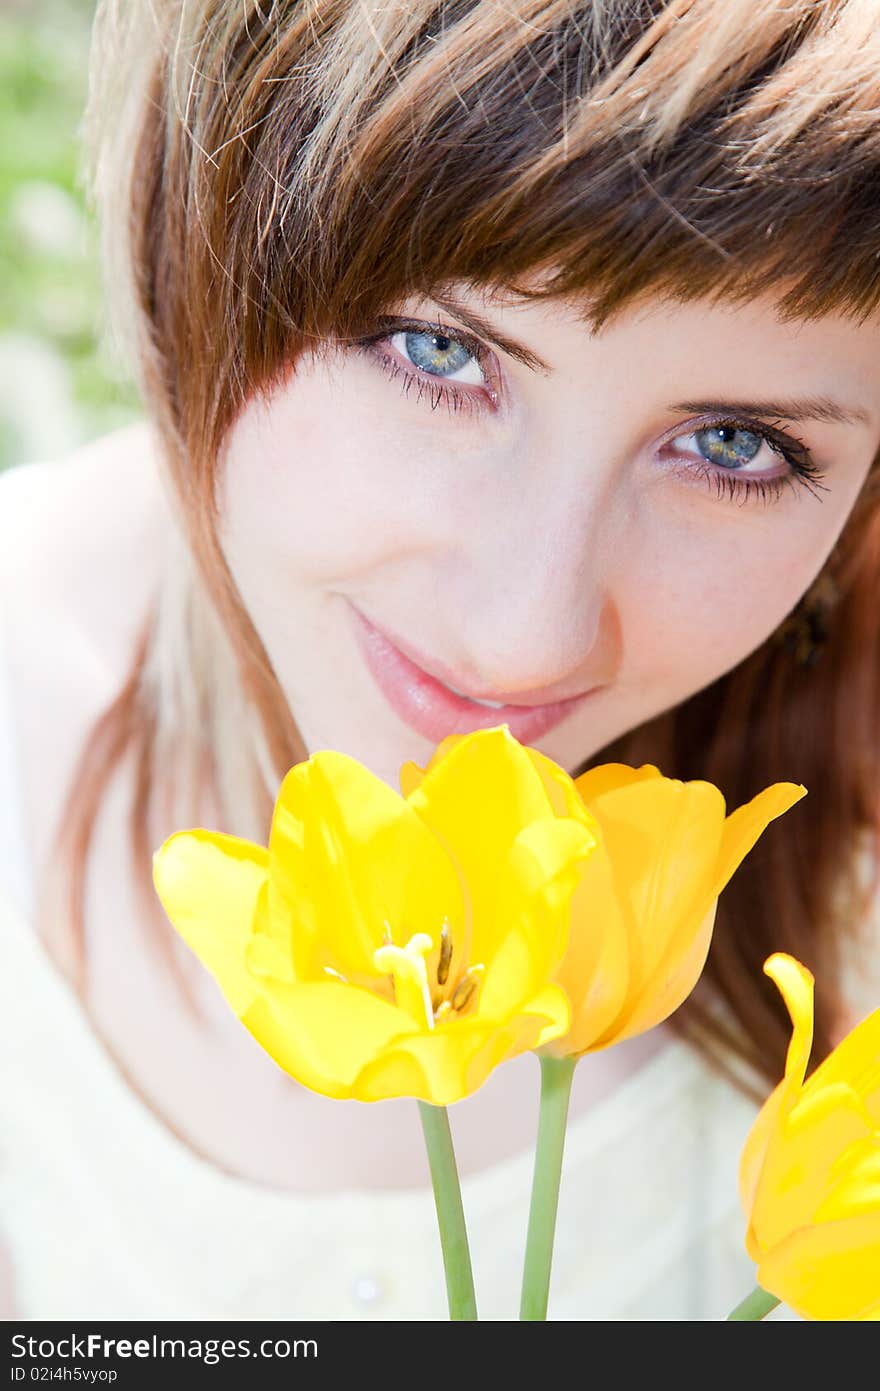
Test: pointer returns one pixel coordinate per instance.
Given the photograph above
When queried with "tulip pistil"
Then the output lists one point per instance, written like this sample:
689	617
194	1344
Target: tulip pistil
409	972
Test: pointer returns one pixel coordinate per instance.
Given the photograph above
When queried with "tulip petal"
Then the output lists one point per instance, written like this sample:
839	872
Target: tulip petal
265	958
855	1190
662	838
753	1158
801	1160
552	1009
744	827
453	1061
856	1060
673	982
477	831
507	788
321	1032
770	1216
526	937
671	850
830	1271
837	1105
441	1067
688	946
349	855
562	793
608	777
411	774
811	1159
795	984
511	973
755	1148
209	885
595	968
395	1073
675	973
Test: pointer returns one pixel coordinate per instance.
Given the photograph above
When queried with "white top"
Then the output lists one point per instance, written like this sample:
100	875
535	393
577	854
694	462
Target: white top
108	1215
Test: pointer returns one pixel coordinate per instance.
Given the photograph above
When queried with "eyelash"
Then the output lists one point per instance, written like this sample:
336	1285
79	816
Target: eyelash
803	469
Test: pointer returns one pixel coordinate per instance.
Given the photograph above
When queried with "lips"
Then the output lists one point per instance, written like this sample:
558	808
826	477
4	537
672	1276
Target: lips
430	708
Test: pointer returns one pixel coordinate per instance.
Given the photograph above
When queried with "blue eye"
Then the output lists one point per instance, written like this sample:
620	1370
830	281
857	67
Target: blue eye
437	353
730	447
727	447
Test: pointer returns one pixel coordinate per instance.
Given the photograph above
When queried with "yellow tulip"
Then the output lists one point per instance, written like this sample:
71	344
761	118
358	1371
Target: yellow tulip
809	1174
386	945
644	908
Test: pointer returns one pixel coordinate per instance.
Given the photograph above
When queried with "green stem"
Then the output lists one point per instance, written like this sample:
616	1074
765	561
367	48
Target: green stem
450	1213
556	1078
756	1305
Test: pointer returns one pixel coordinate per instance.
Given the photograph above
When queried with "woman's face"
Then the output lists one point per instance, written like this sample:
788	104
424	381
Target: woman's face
617	521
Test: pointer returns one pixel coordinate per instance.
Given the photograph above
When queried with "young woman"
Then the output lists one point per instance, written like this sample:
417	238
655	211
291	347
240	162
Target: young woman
511	363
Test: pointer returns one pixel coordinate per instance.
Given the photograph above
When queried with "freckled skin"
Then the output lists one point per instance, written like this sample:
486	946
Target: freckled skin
557	539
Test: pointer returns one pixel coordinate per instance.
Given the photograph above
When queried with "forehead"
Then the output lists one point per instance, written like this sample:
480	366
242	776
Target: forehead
834	357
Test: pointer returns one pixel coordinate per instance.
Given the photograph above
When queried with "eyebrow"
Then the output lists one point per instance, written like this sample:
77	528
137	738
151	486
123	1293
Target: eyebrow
821	408
804	408
483	329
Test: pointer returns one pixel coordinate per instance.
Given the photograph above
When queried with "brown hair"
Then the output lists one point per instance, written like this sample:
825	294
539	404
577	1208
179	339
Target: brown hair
283	174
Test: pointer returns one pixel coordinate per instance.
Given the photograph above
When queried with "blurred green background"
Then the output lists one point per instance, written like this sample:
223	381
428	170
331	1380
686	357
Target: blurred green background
58	383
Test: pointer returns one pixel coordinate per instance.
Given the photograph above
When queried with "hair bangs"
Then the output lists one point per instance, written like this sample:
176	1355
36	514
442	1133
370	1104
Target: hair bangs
585	153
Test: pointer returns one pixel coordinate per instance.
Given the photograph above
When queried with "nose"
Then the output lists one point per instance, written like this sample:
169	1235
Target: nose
538	618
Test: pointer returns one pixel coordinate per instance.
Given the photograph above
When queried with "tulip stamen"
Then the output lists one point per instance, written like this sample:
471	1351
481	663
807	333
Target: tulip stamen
446	1002
407	971
445	953
466	988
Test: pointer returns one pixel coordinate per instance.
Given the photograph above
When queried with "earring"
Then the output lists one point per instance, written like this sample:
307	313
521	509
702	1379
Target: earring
807	629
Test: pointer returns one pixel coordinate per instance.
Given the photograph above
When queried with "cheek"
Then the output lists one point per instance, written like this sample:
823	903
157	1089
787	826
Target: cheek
313	489
720	602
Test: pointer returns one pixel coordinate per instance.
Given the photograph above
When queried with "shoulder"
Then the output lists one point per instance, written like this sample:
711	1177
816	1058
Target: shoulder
54	494
76	539
80	551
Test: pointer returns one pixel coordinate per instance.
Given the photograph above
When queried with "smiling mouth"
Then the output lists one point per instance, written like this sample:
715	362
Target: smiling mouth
489	704
434	709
